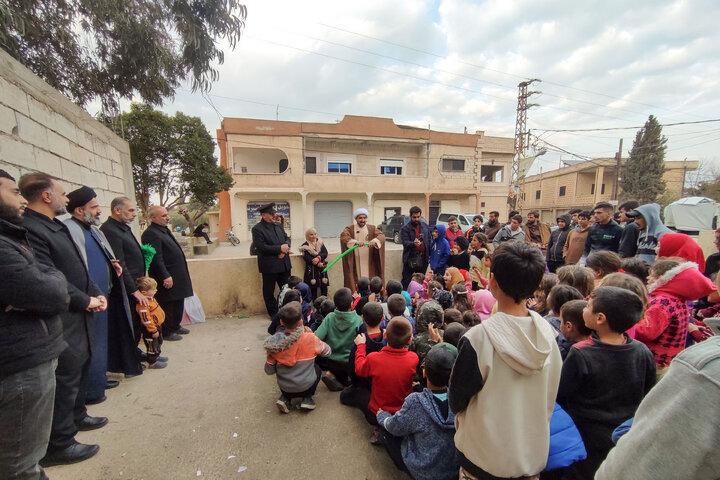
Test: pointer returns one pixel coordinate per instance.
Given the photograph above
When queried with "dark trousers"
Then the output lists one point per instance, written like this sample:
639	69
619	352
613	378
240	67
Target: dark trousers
97	376
307	393
26	410
554	265
407	273
71	379
355	396
203	235
392	444
339	369
173	315
153	346
268	288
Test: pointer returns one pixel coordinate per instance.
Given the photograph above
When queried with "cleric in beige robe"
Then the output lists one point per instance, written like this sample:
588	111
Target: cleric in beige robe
364	261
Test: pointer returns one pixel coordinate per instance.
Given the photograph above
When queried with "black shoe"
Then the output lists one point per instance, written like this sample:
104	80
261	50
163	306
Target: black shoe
77	452
95	401
111	384
172	337
308	403
332	383
91	423
183	331
142	356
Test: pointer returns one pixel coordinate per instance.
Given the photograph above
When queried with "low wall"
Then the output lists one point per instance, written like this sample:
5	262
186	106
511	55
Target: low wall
234	285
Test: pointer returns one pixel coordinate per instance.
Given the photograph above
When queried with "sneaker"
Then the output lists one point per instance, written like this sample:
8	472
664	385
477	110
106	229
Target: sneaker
375	437
183	331
332	383
157	365
162	359
283	404
308	403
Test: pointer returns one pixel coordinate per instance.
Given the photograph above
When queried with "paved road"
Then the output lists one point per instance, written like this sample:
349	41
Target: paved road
214	402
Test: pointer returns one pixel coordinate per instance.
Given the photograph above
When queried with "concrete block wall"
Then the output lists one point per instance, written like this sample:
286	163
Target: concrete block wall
42	130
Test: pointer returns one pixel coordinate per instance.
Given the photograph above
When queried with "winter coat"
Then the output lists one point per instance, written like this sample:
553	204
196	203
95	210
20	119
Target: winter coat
407	235
492	230
429	312
628	241
650	236
506	234
427	436
556	243
544	231
339	330
664	328
268	238
566	444
291	356
314	275
439	252
169	261
575	245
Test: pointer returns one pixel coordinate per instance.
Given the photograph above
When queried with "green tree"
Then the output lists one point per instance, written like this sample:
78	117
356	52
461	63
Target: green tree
642	174
173	158
111	49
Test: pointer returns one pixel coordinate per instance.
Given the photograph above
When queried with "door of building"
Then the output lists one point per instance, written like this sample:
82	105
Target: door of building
332	217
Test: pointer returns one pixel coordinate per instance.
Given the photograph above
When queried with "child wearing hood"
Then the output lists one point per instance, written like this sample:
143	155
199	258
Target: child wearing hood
419	437
494	378
439	251
665	327
647	219
557	243
429	312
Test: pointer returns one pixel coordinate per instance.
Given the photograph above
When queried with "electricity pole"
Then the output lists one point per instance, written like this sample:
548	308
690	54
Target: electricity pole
521	135
618	158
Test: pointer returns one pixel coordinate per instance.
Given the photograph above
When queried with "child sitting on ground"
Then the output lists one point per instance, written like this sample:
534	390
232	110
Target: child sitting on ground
338	329
604	379
391	370
394	287
428	313
470	318
151	317
419	437
396	307
572	325
362	294
291	357
357	394
376	290
451	315
518	346
290	296
315	313
326	307
416	289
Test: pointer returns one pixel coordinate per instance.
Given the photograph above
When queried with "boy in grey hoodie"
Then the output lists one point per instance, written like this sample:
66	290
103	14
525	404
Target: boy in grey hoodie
647	219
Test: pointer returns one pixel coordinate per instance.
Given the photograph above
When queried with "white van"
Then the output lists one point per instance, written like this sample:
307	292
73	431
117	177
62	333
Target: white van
465	220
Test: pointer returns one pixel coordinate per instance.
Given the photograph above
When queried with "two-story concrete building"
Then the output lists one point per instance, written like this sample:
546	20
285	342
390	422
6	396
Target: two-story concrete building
583	184
319	173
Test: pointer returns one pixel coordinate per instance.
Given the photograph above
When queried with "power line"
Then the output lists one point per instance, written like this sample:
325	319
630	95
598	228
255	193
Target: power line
622	128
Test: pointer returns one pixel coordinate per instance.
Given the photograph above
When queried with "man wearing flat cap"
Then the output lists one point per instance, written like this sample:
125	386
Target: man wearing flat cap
273	253
365	261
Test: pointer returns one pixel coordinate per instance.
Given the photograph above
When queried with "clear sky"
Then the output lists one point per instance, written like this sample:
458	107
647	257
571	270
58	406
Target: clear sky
455	64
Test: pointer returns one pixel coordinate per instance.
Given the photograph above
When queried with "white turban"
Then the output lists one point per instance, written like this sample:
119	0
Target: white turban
360	211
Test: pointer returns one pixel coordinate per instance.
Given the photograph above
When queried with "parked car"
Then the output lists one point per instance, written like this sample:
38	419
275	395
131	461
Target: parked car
465	220
391	227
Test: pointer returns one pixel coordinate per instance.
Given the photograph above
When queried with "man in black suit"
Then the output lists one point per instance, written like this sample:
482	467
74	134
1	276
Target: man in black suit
127	250
169	269
54	247
273	247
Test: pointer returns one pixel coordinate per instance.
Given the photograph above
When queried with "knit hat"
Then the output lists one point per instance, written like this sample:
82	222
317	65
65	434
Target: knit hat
79	197
429	312
444	298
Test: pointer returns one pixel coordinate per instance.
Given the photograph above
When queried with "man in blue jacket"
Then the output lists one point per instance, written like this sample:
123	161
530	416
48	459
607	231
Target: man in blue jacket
416	254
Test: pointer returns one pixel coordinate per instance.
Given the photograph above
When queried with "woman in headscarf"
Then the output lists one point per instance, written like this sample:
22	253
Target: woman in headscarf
314	253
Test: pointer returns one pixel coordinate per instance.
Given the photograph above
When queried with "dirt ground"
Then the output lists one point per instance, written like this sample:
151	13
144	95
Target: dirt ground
211	414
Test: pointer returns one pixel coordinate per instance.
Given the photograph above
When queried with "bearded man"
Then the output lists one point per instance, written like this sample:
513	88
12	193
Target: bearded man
364	261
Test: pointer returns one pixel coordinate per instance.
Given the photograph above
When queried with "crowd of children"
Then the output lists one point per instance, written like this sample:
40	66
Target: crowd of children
502	372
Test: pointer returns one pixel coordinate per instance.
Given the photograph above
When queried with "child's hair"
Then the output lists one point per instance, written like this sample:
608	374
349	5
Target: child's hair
604	261
663	265
560	294
145	284
453	333
290	315
432	286
439	363
470	318
376	285
292	296
452	315
586	214
363	283
418	277
577	276
638	267
628	282
518	268
398	332
621	307
318	302
572	312
396	305
460	297
293	281
392	287
372	314
549	280
483	239
326	307
343	299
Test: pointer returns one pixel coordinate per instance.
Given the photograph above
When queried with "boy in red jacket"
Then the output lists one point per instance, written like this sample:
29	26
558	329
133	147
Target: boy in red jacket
391	369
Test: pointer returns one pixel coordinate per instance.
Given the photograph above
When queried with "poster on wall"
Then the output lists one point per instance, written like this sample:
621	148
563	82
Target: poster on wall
282	208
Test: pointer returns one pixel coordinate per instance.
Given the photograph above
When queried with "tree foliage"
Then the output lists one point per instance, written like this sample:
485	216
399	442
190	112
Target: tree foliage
173	158
642	174
111	49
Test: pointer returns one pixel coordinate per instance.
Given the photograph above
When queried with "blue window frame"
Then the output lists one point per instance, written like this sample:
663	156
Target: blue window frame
339	167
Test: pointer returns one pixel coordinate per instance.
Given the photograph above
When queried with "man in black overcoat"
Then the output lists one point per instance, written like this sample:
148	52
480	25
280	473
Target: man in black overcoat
170	271
273	254
53	246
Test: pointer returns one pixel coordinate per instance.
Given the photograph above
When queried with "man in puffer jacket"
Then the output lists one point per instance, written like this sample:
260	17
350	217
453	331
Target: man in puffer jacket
419	437
556	243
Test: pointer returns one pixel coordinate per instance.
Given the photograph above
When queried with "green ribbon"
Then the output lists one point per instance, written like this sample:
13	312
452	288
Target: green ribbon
343	254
